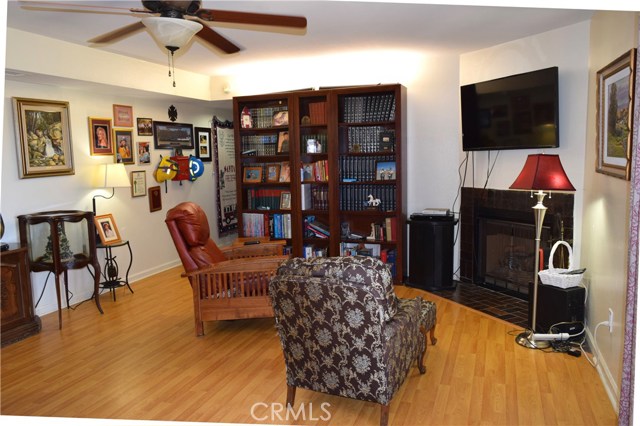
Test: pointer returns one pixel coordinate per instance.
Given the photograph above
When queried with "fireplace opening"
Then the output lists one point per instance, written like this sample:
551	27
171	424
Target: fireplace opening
507	248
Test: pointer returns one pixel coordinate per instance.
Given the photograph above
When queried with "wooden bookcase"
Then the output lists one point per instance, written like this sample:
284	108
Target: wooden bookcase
344	144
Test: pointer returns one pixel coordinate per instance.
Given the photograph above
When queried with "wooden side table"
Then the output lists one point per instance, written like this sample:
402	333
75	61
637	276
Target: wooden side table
18	317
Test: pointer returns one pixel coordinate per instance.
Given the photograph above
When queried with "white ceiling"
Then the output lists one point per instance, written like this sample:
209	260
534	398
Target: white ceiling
333	26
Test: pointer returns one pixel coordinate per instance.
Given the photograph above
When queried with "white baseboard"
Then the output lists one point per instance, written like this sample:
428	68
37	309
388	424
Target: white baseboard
610	385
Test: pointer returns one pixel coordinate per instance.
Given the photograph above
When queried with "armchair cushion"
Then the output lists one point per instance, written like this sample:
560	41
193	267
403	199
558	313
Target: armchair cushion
360	271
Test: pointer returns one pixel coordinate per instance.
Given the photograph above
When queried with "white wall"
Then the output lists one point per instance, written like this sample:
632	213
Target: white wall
150	241
606	213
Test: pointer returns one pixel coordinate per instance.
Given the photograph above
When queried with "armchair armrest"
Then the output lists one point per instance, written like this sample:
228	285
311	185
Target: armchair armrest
263	248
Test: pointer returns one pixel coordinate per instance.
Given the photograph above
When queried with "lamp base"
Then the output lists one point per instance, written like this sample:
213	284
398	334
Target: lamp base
527	340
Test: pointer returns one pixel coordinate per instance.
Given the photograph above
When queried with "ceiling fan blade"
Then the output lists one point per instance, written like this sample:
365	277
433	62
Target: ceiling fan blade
217	40
48	6
118	33
251	18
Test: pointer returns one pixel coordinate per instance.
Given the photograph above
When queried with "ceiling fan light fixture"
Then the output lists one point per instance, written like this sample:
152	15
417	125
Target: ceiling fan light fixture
171	32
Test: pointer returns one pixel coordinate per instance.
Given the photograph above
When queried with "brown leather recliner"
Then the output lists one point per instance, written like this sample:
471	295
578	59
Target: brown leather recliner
229	282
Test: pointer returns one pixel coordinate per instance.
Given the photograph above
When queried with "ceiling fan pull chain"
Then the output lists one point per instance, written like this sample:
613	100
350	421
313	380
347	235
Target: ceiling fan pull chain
169	54
173	70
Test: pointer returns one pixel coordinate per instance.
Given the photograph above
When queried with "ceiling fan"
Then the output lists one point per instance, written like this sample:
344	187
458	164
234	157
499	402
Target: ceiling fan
186	16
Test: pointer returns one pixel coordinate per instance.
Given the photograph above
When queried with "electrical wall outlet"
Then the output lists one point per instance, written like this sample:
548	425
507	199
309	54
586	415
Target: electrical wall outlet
610	320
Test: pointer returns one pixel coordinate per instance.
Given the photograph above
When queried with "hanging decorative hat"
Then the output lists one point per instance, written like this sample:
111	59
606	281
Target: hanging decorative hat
196	168
166	170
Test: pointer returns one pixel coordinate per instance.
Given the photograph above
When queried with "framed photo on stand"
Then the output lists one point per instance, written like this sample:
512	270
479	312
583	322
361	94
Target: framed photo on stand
386	170
273	172
252	174
107	229
285	200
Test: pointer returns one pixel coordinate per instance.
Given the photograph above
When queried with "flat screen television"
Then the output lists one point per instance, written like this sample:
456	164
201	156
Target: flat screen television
515	112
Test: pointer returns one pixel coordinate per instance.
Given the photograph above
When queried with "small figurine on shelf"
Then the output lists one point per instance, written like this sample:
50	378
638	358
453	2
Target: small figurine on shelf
372	236
373	203
245	119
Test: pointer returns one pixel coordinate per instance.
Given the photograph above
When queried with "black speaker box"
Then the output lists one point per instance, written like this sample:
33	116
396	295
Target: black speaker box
556	305
431	253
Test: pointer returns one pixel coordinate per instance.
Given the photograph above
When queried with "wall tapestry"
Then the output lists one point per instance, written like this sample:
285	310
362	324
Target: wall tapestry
225	164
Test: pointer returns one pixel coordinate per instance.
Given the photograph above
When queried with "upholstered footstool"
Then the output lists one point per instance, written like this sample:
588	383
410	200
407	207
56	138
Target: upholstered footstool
428	320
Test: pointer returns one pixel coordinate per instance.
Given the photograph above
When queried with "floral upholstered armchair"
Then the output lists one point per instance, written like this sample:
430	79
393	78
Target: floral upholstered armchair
343	330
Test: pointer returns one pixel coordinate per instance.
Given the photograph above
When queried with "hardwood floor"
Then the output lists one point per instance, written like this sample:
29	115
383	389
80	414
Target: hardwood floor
141	360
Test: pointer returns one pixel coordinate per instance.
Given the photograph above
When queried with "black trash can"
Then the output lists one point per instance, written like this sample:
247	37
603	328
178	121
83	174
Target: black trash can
431	251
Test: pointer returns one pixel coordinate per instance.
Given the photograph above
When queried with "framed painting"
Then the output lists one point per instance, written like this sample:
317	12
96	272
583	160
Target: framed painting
138	183
124	141
615	97
155	199
100	136
107	229
44	138
122	115
203	143
144	126
169	135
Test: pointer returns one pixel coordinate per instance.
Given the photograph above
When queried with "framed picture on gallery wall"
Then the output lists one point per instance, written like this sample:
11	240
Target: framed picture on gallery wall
107	229
145	126
615	97
123	139
138	183
144	155
203	143
100	136
155	199
44	138
122	115
169	135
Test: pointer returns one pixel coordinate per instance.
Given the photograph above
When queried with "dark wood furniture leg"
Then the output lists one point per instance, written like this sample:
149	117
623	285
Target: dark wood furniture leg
291	395
384	415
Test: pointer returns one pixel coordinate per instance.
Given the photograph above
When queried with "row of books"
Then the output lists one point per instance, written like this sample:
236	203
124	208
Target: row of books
370	139
262	118
277	225
314	228
387	256
259	144
356	197
366	108
314	197
384	231
317	171
361	168
264	198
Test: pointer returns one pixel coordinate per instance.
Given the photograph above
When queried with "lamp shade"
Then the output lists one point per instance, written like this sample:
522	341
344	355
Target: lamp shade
113	176
543	172
171	32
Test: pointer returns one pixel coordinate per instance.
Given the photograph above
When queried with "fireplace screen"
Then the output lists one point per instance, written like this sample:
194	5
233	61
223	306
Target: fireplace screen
508	251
